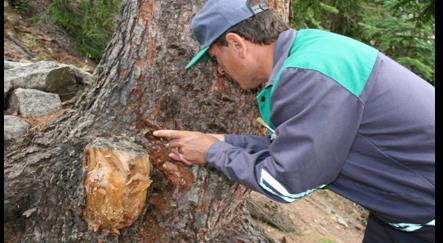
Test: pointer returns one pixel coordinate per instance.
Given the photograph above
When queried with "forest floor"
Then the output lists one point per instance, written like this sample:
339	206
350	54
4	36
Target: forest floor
321	217
27	40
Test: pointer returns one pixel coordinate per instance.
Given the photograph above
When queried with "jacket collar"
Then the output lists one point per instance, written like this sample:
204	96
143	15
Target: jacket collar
282	47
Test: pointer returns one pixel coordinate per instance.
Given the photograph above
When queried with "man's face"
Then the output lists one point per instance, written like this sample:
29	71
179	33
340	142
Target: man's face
234	62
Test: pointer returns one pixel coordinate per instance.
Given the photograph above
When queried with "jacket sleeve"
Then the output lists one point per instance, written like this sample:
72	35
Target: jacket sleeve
252	142
316	122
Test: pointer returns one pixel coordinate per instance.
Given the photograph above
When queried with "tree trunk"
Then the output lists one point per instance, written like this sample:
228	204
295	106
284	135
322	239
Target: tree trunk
141	85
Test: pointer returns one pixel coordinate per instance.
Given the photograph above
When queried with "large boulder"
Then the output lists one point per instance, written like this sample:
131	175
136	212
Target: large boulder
14	127
65	80
7	83
10	64
35	103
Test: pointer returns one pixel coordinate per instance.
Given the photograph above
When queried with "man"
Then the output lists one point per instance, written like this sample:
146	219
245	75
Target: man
341	115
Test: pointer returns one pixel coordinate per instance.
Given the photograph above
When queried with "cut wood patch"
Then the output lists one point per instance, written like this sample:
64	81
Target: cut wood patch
116	183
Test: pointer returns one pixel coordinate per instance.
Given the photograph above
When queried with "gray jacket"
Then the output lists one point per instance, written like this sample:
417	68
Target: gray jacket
373	143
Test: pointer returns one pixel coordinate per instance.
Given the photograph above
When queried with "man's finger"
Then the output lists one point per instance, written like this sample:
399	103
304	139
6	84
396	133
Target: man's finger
176	151
170	133
174	144
182	159
177	156
174	156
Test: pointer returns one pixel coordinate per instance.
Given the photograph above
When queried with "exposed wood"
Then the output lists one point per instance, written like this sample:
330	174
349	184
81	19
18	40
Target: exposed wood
116	183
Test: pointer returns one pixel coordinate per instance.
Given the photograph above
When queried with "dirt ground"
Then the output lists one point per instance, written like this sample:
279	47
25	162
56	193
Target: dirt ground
321	217
27	40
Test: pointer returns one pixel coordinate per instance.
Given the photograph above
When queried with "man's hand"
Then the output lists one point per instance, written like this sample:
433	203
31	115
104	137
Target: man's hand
189	147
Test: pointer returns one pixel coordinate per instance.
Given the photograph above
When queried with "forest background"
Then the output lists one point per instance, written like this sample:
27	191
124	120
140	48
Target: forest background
402	29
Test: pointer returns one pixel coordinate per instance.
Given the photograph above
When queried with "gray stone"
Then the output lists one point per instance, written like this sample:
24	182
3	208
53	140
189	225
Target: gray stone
7	83
83	76
11	64
14	127
31	102
7	86
65	80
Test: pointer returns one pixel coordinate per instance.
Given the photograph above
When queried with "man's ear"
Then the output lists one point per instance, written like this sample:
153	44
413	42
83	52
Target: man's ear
238	44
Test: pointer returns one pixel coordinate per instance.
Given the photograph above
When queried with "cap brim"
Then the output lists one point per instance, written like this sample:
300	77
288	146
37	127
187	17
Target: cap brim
201	56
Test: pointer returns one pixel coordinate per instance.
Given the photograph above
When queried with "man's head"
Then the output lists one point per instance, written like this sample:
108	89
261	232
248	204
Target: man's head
235	33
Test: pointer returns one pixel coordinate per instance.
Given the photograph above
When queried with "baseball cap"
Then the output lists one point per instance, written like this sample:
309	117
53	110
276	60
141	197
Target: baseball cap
216	17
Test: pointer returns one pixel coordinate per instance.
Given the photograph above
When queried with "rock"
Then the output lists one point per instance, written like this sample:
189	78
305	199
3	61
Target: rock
10	64
14	127
7	86
342	221
65	80
82	76
31	102
7	83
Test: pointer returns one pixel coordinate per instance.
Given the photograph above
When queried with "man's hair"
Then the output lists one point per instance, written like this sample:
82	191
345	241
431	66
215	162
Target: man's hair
263	28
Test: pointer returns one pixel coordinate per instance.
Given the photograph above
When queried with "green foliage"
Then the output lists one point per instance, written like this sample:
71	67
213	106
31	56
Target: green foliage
90	22
402	29
20	5
325	240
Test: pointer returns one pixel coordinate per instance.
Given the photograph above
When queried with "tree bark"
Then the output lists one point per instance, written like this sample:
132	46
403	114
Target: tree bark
141	85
